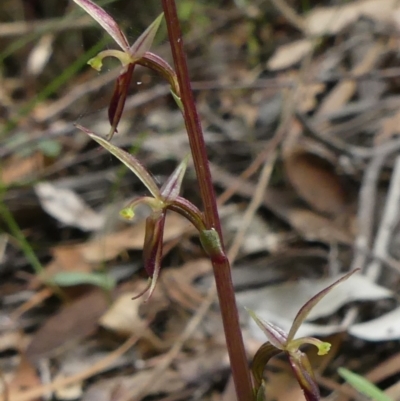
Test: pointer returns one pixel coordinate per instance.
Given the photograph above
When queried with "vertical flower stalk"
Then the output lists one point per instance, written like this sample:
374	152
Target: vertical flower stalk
221	266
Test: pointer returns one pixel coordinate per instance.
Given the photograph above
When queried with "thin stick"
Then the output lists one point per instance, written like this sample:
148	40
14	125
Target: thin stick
390	217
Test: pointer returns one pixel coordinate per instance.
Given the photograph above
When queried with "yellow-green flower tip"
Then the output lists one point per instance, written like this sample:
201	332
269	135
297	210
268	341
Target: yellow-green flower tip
96	63
127	213
323	348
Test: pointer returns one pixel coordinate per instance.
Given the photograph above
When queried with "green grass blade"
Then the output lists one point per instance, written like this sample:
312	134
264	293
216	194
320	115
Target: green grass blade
363	386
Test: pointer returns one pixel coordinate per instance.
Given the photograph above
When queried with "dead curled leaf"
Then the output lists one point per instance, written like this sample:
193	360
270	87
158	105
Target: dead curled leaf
73	322
316	181
289	54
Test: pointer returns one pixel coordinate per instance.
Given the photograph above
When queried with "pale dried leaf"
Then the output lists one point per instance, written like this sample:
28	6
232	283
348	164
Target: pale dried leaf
67	207
123	316
119	388
273	303
11	340
390	126
331	20
25	378
290	54
317	228
40	54
383	328
307	96
72	392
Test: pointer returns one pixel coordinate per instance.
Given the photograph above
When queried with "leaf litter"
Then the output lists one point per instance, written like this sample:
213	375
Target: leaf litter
341	66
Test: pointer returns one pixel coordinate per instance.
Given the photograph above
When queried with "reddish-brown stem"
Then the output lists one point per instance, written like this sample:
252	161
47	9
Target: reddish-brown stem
221	266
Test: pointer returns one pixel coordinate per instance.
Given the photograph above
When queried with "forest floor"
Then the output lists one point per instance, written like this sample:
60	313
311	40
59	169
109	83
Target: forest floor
300	106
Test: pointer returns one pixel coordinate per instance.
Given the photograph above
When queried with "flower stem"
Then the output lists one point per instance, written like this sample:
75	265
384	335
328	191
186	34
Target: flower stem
221	265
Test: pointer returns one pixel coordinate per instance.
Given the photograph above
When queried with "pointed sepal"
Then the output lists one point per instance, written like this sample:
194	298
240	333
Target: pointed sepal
130	161
105	21
172	186
276	336
305	376
118	98
306	308
145	40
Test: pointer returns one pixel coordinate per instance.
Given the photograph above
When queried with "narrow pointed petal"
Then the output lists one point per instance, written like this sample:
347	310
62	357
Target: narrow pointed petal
275	334
153	241
130	161
106	22
171	188
141	293
304	375
261	358
153	246
118	98
306	308
145	40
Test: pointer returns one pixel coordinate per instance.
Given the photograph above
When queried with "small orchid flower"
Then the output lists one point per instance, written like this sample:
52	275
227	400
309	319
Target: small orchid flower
280	341
161	200
129	56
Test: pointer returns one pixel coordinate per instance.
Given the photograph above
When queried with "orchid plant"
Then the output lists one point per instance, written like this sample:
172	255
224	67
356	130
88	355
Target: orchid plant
129	56
279	341
166	198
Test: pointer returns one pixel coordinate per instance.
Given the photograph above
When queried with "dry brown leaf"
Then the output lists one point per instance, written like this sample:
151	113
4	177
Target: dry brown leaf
179	283
16	169
129	387
390	126
66	258
123	316
25	378
315	180
282	386
287	55
317	228
110	246
211	362
307	96
72	323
